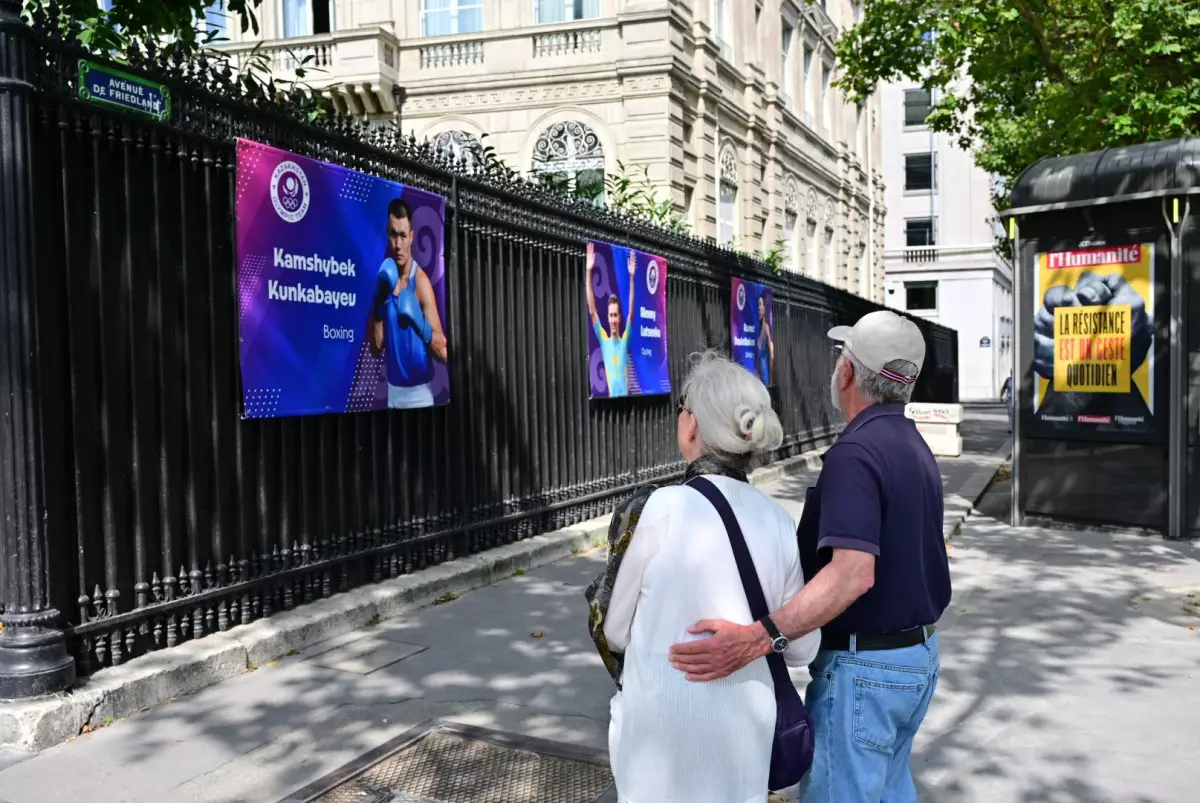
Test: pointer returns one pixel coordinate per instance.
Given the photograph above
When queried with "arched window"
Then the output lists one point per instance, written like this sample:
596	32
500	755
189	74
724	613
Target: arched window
458	146
568	156
727	187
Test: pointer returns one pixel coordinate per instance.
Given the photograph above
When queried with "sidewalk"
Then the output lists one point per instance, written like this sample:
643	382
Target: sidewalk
1067	676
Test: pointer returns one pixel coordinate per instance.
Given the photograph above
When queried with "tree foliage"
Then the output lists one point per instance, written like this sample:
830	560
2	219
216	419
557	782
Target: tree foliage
178	21
1018	80
172	35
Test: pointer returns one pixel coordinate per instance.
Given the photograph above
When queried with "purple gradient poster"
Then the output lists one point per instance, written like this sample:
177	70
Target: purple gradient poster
627	322
752	326
341	288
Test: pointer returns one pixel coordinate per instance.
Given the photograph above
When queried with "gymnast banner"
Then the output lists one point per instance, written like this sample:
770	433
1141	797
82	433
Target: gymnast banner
627	312
341	288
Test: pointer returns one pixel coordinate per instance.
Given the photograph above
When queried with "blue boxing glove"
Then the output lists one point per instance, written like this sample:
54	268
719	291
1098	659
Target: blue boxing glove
408	309
385	282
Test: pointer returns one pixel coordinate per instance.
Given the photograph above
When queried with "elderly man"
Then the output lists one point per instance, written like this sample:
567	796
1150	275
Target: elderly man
877	579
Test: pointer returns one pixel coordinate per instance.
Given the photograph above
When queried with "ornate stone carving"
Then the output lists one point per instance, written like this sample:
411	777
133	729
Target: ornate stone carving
729	166
645	83
791	197
812	206
828	212
516	96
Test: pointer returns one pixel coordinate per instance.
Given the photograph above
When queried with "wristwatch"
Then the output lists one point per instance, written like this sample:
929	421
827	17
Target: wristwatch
779	642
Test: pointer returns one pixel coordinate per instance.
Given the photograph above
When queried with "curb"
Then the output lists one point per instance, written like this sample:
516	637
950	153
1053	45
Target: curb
157	677
960	506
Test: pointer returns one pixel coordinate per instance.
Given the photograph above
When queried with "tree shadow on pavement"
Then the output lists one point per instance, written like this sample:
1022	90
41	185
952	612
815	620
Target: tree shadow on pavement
513	657
1055	685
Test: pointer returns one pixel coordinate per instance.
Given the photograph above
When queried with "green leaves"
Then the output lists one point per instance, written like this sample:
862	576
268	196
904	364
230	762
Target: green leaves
174	33
1018	80
637	195
180	21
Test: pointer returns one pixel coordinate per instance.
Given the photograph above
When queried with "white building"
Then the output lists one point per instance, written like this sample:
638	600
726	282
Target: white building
728	104
940	257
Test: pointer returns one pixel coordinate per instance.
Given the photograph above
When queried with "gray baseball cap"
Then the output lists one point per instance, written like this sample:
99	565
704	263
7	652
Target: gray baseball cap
881	337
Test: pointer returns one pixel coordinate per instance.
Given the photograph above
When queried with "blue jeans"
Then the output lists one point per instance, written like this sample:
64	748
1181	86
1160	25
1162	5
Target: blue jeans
865	709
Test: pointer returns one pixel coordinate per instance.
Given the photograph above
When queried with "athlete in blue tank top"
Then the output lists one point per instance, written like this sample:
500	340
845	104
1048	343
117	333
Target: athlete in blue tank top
405	324
614	342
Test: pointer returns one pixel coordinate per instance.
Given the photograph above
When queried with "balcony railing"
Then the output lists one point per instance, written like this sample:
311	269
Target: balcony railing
566	43
921	254
451	54
950	256
357	67
442	58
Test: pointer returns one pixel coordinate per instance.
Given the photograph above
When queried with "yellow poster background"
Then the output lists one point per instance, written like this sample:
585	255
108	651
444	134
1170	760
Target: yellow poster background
1140	276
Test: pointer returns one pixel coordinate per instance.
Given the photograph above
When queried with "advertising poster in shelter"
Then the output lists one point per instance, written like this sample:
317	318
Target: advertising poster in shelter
341	288
1093	349
627	335
752	327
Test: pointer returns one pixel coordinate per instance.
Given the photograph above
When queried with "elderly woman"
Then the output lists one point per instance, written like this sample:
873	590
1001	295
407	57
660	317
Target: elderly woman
670	566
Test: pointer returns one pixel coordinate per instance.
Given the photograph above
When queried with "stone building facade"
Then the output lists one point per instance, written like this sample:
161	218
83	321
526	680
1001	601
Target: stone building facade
728	104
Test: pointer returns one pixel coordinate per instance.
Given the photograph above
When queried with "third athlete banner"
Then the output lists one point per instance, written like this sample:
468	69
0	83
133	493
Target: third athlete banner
752	326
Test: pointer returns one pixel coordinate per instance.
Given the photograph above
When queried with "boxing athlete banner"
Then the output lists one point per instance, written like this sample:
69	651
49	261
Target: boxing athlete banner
627	339
752	326
341	288
1093	338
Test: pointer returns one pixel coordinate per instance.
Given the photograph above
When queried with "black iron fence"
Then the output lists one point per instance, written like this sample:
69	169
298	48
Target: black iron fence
140	510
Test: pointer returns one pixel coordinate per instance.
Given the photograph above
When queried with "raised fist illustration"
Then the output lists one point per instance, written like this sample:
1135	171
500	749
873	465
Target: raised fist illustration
1092	290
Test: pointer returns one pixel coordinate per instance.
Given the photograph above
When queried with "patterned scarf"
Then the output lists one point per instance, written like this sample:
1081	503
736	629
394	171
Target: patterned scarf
620	534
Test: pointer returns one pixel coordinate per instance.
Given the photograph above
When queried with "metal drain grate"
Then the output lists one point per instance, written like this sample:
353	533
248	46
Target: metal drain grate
455	764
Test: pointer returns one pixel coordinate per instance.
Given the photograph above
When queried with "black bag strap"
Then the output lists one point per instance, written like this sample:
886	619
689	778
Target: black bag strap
750	583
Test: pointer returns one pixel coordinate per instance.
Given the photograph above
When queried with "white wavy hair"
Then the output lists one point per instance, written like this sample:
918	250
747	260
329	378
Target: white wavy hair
732	408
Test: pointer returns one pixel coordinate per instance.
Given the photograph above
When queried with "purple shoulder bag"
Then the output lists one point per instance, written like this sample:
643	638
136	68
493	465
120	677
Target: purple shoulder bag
792	747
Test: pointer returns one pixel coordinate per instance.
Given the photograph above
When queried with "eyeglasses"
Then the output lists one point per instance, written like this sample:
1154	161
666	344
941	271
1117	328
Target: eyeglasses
837	350
681	406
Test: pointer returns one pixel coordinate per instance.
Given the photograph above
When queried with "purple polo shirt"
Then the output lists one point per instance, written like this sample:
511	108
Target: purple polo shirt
880	491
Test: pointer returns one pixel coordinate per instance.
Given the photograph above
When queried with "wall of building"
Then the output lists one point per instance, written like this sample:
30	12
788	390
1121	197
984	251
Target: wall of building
962	200
975	302
660	86
973	283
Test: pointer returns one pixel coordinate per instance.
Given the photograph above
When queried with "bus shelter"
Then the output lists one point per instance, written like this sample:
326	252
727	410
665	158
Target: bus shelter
1107	348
